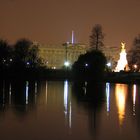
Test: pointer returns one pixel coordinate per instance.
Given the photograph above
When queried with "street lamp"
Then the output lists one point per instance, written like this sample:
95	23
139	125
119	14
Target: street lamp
109	65
86	65
135	67
67	64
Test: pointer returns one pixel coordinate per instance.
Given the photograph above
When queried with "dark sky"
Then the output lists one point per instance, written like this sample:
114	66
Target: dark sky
51	21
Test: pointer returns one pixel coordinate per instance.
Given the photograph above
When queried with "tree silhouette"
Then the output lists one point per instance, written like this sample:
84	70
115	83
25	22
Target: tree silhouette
96	37
136	42
90	66
21	51
26	54
5	54
34	58
134	55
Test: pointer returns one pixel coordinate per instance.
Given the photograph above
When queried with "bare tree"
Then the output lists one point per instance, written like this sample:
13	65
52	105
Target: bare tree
96	37
134	55
136	42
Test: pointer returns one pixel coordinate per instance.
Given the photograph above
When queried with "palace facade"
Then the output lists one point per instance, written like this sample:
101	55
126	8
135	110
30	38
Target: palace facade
55	56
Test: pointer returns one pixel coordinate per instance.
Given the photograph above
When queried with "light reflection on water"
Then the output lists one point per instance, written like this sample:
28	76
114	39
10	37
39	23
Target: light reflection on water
67	104
27	90
66	97
121	95
134	98
55	110
108	97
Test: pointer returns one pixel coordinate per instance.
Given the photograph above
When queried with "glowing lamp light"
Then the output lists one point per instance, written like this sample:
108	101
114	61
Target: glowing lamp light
135	66
28	63
67	64
109	64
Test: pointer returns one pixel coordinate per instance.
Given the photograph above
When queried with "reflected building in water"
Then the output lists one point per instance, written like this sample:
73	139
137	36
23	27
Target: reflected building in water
18	93
55	108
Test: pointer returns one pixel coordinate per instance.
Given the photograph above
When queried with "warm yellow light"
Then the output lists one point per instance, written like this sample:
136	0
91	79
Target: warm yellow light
121	93
122	62
135	66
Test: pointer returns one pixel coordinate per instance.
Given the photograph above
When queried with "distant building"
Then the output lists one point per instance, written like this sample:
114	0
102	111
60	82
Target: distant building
54	56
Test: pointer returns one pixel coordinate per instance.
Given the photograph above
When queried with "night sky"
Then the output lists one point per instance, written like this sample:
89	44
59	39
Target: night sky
51	21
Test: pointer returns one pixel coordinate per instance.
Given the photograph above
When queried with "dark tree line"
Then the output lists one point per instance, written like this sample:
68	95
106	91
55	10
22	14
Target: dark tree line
134	55
5	54
23	54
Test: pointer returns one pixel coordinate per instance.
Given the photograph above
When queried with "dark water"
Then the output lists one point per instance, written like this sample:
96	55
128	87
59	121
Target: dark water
60	110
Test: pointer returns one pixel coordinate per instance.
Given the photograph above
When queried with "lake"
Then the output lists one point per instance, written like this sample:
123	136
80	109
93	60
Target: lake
60	110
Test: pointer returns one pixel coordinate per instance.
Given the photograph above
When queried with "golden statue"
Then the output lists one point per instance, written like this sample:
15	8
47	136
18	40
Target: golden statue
123	45
122	62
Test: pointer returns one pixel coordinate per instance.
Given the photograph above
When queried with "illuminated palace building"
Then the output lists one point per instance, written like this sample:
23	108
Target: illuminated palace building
58	56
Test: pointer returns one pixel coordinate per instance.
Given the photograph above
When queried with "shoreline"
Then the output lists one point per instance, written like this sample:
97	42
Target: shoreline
47	74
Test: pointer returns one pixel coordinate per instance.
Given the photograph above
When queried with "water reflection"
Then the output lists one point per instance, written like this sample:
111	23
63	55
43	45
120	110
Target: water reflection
108	97
66	97
10	94
35	91
19	95
121	95
88	91
91	96
134	99
67	110
46	92
27	90
67	104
